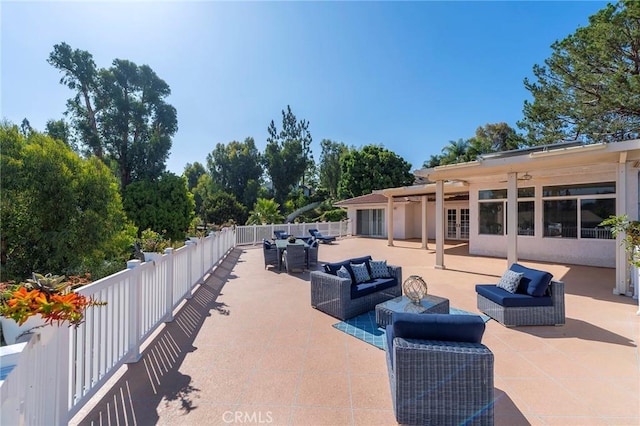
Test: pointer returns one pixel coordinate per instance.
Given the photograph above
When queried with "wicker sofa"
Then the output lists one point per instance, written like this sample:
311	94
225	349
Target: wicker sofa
538	300
439	371
343	298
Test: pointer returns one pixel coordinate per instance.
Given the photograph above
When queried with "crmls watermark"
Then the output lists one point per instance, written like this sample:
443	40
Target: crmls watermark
247	417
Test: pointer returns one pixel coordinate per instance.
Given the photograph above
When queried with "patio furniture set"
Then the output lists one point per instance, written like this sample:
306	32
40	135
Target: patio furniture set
439	371
295	254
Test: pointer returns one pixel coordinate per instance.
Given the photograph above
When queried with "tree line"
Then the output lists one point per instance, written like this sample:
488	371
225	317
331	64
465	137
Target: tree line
104	164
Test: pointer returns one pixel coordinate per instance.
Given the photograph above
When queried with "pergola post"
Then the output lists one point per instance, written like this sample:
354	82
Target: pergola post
390	220
425	235
440	225
512	218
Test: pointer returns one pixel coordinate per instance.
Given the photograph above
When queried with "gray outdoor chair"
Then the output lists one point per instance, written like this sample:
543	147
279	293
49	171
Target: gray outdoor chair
295	257
439	372
312	253
270	254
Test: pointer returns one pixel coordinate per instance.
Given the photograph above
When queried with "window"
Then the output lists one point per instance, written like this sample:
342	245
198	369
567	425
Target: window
493	211
575	211
370	222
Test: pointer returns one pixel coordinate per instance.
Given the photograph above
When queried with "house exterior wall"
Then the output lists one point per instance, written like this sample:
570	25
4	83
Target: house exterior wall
593	252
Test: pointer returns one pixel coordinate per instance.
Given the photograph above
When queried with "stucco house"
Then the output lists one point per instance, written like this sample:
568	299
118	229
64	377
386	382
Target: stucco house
542	203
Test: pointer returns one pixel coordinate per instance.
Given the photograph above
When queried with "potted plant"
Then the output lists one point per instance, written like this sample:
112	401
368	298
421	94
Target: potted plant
40	301
152	244
631	229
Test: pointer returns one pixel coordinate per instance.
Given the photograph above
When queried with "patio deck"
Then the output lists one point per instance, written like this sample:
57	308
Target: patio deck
249	349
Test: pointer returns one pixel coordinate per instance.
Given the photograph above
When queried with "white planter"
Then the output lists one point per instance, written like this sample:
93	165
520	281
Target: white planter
13	332
152	256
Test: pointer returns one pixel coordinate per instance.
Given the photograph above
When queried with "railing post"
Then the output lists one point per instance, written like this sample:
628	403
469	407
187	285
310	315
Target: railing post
169	285
191	248
135	298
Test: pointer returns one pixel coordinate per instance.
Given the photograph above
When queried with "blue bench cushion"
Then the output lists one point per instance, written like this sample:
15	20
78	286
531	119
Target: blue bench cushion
534	282
377	284
511	300
438	327
332	268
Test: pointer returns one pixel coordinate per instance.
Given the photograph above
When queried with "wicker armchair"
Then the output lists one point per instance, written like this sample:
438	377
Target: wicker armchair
515	316
270	253
444	376
295	257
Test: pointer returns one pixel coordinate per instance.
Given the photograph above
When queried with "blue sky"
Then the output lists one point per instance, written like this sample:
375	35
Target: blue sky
410	76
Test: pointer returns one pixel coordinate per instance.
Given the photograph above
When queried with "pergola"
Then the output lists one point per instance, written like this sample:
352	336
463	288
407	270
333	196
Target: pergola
542	162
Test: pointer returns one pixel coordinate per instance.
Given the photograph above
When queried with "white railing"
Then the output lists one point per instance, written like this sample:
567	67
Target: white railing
254	234
61	368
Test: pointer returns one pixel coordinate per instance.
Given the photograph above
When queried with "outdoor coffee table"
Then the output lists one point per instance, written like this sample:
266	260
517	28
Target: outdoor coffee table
428	305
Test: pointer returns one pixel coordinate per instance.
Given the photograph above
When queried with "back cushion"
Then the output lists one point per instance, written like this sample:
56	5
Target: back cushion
533	282
443	327
360	272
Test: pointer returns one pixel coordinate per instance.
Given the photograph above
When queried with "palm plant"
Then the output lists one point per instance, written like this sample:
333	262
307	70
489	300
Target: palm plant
264	212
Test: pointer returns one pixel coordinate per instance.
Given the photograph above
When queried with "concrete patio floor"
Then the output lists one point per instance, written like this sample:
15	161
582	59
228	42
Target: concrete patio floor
249	349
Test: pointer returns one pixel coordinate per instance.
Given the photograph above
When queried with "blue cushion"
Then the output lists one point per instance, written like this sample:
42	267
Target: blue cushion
511	300
359	290
534	282
443	327
266	244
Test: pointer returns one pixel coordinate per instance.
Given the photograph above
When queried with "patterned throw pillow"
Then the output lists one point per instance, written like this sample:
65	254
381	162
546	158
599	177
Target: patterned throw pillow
360	272
343	273
379	269
510	281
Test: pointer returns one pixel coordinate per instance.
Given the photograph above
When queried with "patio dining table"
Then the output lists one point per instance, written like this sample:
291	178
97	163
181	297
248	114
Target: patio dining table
281	245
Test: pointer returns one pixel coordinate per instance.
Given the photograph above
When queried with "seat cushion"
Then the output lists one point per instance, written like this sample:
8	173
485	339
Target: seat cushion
533	282
362	289
511	300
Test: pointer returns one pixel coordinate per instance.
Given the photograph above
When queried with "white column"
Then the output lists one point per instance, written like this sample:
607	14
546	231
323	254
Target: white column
622	265
390	220
512	218
425	236
440	225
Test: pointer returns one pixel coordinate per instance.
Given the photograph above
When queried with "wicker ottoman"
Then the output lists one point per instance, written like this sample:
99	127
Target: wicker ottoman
428	305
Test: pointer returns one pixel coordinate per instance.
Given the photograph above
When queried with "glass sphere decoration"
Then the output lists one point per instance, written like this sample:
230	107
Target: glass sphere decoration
414	288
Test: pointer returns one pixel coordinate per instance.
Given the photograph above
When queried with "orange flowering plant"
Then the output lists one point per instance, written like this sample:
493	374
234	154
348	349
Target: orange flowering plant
50	296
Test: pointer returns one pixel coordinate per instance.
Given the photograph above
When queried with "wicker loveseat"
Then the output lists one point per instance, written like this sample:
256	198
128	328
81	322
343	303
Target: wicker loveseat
343	297
439	371
538	300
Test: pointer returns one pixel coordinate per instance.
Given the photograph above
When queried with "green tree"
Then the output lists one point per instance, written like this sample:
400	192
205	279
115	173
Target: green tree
192	173
589	89
455	152
119	112
287	154
59	129
163	205
494	137
265	212
237	168
433	161
60	213
221	208
330	170
370	168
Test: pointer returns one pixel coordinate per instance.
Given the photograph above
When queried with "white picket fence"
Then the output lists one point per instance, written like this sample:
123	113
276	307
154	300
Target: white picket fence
61	368
254	234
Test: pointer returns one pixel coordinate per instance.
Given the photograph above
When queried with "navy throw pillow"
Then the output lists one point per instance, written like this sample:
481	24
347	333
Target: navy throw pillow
443	327
534	282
